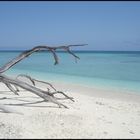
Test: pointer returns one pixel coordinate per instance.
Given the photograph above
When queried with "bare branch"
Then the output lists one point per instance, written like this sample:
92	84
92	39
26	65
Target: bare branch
14	84
33	81
67	97
37	49
11	88
43	94
28	77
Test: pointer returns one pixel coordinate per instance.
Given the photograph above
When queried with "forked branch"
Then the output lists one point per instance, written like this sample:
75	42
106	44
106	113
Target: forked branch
14	84
37	49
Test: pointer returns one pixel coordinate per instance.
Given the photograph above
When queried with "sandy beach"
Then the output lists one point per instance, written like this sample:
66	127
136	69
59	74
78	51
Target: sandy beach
75	66
96	113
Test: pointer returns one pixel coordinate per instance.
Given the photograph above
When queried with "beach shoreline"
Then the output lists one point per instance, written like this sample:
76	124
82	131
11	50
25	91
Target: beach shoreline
70	70
96	113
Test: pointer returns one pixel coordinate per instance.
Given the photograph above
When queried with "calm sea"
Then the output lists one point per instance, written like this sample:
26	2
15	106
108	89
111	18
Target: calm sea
105	69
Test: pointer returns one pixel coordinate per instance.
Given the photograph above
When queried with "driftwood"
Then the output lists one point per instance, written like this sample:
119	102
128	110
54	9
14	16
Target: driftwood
15	83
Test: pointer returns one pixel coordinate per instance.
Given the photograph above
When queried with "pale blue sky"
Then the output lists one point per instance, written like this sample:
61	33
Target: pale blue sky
103	25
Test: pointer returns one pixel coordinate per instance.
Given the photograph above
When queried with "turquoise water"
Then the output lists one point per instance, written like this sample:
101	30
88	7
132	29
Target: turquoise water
115	70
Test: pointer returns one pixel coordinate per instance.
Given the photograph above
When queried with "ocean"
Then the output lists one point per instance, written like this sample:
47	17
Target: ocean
118	70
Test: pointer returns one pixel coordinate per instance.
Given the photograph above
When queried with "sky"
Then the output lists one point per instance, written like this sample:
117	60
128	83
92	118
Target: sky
103	25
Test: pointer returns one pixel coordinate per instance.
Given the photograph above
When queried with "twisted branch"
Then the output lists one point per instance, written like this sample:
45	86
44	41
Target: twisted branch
45	95
37	49
33	80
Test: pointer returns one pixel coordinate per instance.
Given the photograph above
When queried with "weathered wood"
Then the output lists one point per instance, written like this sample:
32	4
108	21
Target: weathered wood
37	49
45	95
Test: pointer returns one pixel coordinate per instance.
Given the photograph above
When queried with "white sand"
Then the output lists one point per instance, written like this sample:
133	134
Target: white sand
95	113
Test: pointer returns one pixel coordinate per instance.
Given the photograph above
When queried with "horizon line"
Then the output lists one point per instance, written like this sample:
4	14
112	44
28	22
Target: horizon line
84	50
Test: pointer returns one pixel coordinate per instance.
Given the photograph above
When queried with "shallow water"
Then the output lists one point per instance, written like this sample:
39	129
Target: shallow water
106	69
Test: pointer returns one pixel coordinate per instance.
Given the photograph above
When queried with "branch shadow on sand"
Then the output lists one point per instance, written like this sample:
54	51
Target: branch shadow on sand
26	101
